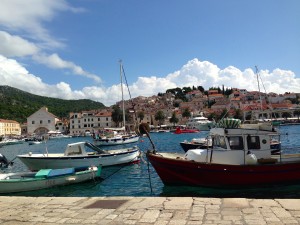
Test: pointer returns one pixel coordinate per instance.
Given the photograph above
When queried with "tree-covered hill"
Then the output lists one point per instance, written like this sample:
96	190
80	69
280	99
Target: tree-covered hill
18	105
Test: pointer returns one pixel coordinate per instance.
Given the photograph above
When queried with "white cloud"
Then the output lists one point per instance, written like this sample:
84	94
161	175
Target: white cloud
15	46
54	61
194	73
28	17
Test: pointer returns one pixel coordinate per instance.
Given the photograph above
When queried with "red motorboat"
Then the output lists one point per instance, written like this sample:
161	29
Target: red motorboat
239	157
182	131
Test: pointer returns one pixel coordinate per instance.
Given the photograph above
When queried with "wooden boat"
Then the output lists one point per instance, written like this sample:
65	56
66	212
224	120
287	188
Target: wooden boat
80	155
45	178
239	157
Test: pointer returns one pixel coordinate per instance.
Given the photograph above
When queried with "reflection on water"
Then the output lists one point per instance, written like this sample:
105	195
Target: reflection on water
135	180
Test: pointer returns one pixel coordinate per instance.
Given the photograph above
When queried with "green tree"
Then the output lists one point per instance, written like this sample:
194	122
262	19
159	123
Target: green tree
160	117
238	114
297	113
117	115
186	113
174	119
200	88
212	116
286	115
223	114
141	115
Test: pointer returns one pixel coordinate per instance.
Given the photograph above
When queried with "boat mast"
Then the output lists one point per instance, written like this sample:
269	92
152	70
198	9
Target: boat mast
123	106
261	107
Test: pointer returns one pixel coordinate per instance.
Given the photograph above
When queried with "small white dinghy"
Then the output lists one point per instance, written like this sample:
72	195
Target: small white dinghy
45	178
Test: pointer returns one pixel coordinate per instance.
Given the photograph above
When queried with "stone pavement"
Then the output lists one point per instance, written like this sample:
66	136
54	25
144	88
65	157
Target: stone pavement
147	210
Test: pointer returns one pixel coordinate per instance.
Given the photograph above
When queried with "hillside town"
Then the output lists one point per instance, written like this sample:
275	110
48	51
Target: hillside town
213	104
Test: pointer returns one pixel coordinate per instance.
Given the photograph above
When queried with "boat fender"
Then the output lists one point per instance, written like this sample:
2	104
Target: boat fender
250	158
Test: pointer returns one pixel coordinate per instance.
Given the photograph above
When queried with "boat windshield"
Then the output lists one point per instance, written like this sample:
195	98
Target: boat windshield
219	141
95	148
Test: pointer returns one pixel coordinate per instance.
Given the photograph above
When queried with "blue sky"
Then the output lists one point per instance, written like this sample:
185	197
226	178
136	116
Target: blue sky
71	49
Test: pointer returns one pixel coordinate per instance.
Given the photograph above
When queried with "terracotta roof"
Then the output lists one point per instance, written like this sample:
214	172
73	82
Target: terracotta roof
7	121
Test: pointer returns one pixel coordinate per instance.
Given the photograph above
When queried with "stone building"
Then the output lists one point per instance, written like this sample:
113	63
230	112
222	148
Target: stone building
41	122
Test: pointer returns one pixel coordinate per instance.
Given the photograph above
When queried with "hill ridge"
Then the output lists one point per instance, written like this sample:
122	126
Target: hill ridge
16	104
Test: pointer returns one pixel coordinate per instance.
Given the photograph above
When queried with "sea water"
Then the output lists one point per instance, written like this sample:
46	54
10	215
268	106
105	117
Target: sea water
141	179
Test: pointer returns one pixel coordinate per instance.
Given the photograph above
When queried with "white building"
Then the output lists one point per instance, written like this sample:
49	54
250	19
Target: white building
41	122
89	121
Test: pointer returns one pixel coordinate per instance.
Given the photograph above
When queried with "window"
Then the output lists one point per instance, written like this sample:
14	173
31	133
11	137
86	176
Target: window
220	142
32	122
41	121
253	142
236	142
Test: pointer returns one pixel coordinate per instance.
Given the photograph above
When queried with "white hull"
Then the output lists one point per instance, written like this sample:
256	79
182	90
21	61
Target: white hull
31	184
115	141
58	161
204	126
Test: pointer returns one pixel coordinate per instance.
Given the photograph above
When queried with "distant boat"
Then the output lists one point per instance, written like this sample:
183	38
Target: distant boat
186	130
114	136
34	142
196	143
199	122
45	178
80	155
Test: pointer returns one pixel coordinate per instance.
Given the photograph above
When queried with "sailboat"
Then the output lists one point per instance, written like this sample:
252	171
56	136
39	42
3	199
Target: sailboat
116	136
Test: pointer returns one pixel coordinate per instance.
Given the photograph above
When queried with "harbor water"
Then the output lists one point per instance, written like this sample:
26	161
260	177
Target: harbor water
141	179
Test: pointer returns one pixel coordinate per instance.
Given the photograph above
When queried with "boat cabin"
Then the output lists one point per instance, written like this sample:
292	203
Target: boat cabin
235	146
75	149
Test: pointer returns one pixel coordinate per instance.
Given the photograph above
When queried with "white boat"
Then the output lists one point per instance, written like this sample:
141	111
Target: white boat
239	157
80	155
45	178
116	136
8	141
199	122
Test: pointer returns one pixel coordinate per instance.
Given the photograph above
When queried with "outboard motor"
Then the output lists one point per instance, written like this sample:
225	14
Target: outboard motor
4	163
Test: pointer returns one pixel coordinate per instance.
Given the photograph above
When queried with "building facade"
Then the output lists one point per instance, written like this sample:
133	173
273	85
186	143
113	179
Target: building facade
87	122
41	122
9	128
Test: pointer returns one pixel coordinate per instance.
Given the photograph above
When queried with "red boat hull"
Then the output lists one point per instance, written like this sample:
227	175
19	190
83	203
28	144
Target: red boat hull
183	172
180	131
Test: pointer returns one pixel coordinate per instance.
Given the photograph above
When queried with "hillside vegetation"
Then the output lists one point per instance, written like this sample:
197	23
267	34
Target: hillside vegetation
18	105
